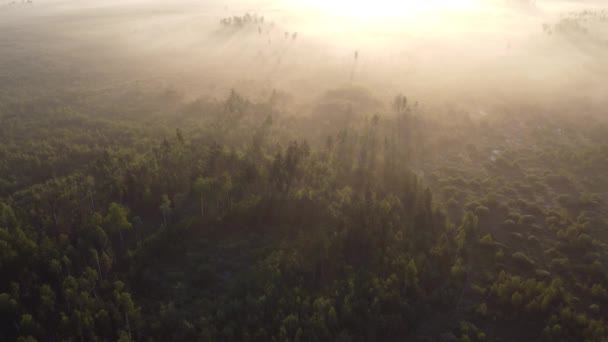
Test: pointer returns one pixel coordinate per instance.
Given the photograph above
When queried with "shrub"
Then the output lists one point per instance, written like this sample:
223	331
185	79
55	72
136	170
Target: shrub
482	310
589	199
472	205
527	219
566	201
559	180
458	269
500	254
594	308
533	240
452	203
539	188
543	273
584	241
491	199
451	191
487	240
482	211
509	224
517	299
562	264
599	292
479	289
513	216
552	252
518	236
522	258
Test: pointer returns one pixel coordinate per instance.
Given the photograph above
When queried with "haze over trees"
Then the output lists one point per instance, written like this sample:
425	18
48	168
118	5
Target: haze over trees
256	173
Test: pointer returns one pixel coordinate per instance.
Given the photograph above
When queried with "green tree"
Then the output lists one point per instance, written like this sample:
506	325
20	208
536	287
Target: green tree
117	220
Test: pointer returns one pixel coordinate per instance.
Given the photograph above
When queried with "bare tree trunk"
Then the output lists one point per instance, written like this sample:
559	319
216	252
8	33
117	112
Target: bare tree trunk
321	276
202	207
128	325
122	242
92	202
99	267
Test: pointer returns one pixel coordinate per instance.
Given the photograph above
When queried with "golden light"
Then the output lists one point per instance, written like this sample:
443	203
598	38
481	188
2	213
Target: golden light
379	9
352	17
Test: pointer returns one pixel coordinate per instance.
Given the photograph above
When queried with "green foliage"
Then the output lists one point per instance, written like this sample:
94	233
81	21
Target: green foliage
371	254
229	220
487	240
599	292
482	310
522	258
482	211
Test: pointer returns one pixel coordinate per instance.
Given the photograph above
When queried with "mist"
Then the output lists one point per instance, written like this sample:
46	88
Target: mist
481	52
304	170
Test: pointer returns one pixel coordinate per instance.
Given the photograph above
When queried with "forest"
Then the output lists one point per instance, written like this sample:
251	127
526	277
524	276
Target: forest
140	211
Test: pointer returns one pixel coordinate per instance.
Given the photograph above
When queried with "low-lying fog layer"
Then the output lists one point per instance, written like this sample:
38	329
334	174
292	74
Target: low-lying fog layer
467	50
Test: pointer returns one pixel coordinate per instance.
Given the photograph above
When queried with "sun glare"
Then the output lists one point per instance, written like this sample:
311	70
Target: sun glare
355	17
378	9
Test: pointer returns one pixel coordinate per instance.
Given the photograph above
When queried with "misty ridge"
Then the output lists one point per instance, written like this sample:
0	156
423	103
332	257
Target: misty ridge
304	170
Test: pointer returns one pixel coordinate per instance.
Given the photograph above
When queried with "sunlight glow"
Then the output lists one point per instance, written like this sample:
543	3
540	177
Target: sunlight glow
379	9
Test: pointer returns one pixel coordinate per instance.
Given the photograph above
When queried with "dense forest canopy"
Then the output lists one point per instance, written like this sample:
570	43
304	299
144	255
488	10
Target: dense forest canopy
225	173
